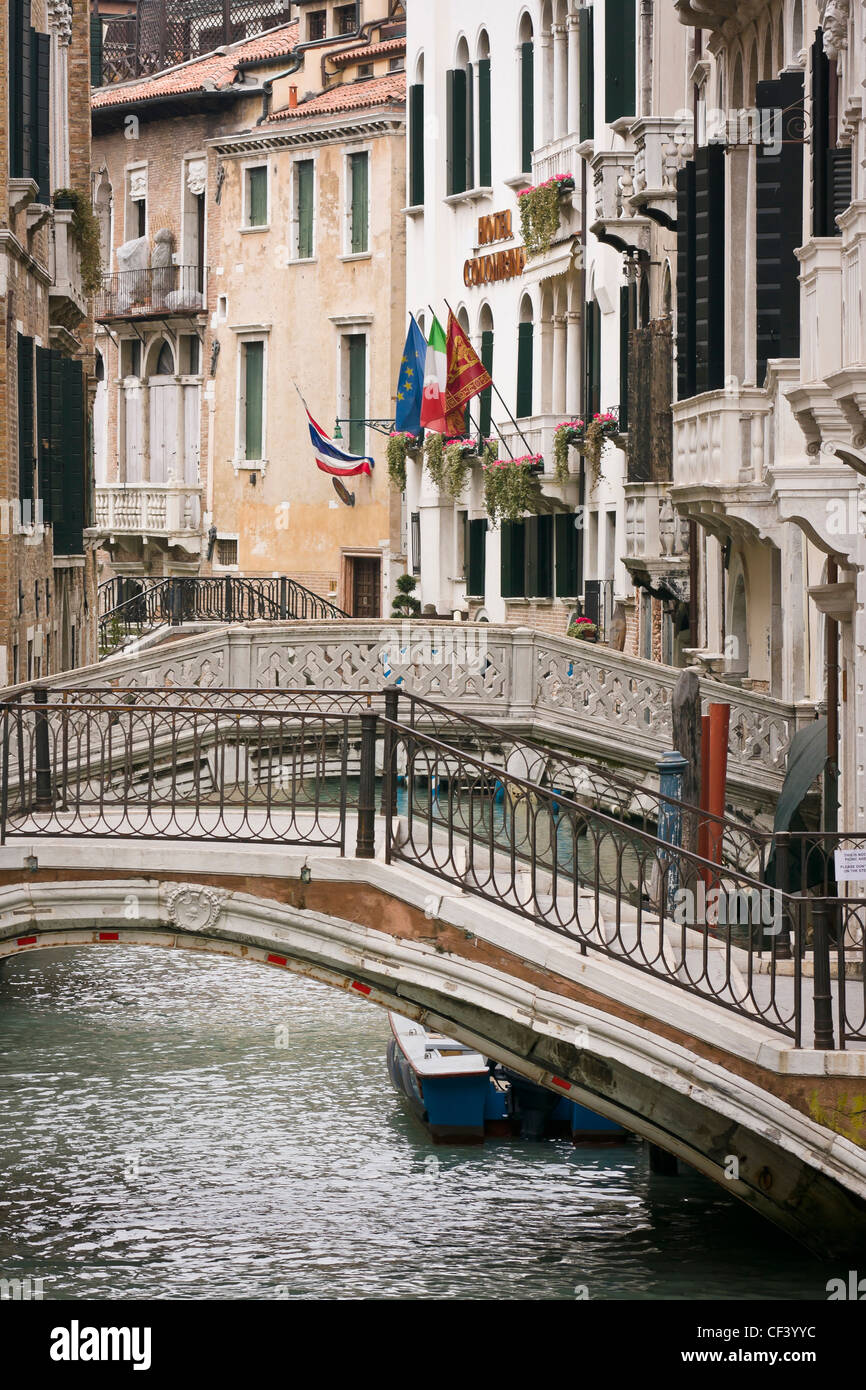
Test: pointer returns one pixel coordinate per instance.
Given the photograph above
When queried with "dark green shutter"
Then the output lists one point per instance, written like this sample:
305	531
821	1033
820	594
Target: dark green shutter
54	497
524	369
709	268
357	392
477	540
360	204
44	440
24	138
538	534
95	50
69	522
258	190
486	398
592	393
627	299
41	140
839	186
820	134
586	73
620	59
25	421
527	105
16	93
306	172
513	552
485	130
416	145
778	225
686	281
456	98
470	129
565	534
254	371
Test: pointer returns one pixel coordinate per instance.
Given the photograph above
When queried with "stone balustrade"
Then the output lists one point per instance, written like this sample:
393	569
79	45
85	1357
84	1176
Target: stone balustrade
148	509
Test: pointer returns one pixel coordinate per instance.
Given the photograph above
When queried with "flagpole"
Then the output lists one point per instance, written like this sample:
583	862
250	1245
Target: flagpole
499	394
492	421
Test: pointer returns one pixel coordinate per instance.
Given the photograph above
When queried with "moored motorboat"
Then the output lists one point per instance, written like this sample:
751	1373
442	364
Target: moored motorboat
462	1097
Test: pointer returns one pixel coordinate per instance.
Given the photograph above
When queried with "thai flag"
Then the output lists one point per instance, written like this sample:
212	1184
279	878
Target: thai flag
331	458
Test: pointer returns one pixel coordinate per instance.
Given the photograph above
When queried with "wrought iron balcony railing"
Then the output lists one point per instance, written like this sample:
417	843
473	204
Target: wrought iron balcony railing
152	292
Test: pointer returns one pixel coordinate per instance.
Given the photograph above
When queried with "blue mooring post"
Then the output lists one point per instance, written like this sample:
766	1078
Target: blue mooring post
671	771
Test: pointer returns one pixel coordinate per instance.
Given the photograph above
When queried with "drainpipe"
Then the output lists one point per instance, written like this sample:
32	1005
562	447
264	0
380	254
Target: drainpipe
268	86
831	771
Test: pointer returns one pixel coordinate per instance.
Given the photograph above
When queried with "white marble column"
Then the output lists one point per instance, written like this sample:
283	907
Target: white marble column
572	370
560	81
573	78
544	96
60	28
560	344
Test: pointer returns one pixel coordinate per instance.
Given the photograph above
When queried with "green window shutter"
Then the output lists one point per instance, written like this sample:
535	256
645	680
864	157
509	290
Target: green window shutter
456	93
477	536
538	532
357	393
686	281
416	144
257	212
95	50
360	203
16	93
627	298
778	226
254	381
68	524
486	397
620	59
839	186
305	177
485	132
592	405
24	141
44	440
513	553
820	134
586	73
565	536
41	139
524	369
25	420
527	105
709	295
54	497
470	129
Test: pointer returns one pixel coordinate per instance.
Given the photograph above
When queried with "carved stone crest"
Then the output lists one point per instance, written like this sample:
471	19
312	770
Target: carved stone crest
196	176
193	908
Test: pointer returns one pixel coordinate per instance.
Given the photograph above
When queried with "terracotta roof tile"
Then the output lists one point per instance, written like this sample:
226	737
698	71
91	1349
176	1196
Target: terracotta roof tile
351	96
221	68
364	54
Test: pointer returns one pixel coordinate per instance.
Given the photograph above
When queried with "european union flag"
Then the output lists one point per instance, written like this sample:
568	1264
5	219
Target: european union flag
410	386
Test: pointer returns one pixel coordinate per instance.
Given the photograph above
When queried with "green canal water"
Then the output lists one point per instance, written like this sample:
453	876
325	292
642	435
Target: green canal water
182	1128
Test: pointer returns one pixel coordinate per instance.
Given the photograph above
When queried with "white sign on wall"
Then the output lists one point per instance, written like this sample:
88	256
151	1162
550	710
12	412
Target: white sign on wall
850	864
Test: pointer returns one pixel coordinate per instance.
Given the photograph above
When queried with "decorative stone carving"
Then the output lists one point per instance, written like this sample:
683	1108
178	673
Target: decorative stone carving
60	20
835	27
195	909
196	176
137	184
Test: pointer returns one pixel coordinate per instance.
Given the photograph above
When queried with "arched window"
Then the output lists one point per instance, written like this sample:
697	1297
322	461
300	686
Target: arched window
485	323
667	294
797	29
527	94
416	136
737	101
485	116
460	105
767	68
165	360
525	352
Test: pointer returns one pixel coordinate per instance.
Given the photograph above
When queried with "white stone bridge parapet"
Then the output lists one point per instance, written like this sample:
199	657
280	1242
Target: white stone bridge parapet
779	1127
592	697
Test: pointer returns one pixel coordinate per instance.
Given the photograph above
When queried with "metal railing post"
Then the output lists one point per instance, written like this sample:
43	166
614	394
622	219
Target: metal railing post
284	597
781	942
44	800
389	778
365	847
821	988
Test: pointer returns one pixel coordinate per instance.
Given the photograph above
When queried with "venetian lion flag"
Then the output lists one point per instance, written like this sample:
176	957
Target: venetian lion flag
435	380
467	376
331	458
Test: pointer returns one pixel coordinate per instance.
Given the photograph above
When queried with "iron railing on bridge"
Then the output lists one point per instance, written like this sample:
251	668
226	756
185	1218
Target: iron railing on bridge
181	599
293	767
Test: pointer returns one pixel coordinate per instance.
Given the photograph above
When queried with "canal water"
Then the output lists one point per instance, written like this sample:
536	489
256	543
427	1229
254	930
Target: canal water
176	1127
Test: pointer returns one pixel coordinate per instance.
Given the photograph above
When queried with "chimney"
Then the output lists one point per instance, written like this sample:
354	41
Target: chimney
293	96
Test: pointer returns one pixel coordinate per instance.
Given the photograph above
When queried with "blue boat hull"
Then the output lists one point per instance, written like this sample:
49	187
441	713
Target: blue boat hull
452	1107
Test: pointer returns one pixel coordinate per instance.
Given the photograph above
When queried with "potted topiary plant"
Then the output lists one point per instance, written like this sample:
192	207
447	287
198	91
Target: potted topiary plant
405	604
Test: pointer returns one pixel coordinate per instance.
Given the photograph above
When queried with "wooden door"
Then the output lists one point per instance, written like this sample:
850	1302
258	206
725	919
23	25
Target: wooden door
366	586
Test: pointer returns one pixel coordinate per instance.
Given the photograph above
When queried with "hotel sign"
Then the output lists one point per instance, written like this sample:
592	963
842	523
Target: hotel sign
497	265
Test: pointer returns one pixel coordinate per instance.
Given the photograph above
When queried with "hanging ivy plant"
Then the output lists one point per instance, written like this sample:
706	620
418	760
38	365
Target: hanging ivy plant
395	454
85	229
539	213
568	433
491	451
434	458
458	465
598	431
510	487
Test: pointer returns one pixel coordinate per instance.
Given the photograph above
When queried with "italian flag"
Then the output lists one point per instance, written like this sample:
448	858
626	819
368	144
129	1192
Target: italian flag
435	380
